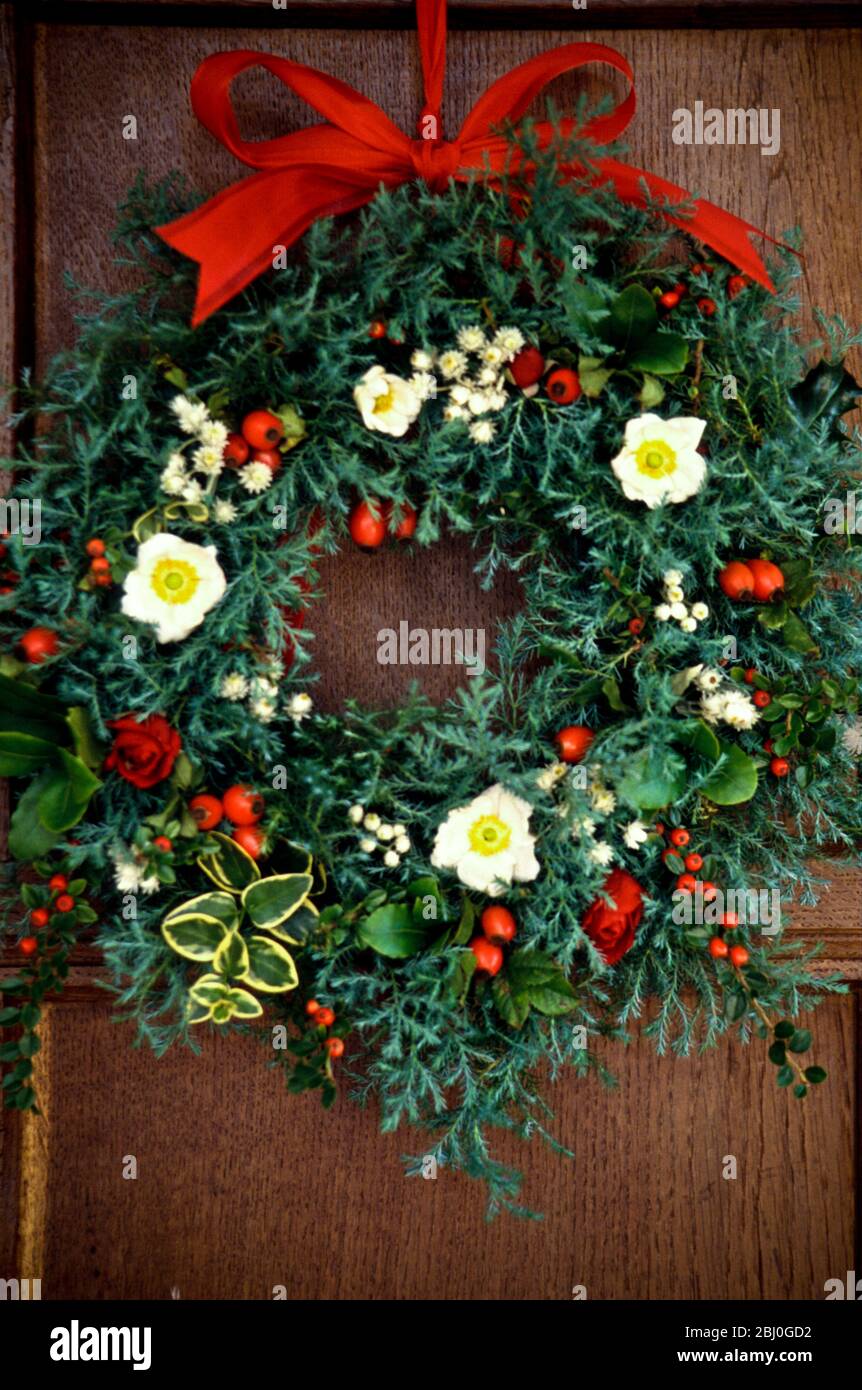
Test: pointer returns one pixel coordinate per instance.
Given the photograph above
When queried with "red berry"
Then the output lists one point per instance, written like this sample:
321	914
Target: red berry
693	862
730	920
762	698
735	285
242	805
737	581
573	742
38	644
262	430
489	957
367	526
65	903
686	883
718	948
679	837
99	565
324	1017
563	386
669	299
207	811
250	838
527	367
498	924
779	767
768	745
236	451
58	882
710	892
335	1046
707	306
407	525
163	843
28	945
271	457
95	546
635	626
749	675
658	828
702	268
768	580
311	1007
104	581
377	329
738	956
39	917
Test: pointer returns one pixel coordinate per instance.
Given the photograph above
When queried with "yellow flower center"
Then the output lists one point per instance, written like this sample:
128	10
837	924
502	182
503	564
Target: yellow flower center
174	581
489	835
656	458
384	402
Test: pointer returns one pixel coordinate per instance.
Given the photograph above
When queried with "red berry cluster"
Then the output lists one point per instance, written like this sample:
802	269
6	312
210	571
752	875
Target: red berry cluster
100	565
369	523
498	925
242	806
707	306
41	916
324	1017
261	434
562	385
743	580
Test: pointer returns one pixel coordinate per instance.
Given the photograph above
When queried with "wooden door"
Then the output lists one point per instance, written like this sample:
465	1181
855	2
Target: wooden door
239	1187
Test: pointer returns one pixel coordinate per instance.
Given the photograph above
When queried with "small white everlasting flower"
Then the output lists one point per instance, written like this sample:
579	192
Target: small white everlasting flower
603	800
208	459
299	707
150	885
454	412
471	338
601	854
224	512
662	612
385	832
482	431
672	577
213	434
452	364
255	477
400	829
549	776
371	821
192	491
708	678
699	611
635	834
852	738
509	341
584	826
477	403
493	355
391	859
689	625
127	875
368	846
402	844
678	611
674	593
356	813
424	384
234	686
263	709
191	415
422	360
173	483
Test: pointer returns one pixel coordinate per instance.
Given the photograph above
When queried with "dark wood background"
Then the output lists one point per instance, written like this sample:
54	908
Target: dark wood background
241	1188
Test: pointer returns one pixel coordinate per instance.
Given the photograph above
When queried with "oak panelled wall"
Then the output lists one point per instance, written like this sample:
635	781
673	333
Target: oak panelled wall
642	1211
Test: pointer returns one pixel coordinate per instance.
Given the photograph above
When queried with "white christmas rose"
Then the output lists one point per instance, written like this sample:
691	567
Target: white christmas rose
173	586
659	461
387	402
488	843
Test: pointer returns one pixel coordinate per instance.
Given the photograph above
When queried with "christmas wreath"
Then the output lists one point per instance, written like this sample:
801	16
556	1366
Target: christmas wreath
435	902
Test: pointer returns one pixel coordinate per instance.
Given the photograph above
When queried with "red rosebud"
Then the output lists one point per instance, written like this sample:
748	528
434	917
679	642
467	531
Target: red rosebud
145	750
612	929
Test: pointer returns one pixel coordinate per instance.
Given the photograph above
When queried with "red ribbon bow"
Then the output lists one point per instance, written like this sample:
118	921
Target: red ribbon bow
339	165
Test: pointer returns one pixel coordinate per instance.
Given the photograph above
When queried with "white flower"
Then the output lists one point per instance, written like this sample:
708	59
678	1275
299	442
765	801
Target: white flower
385	832
482	431
601	854
852	738
678	611
173	483
368	846
497	400
602	800
424	384
208	459
488	843
549	776
452	364
386	402
150	885
454	412
674	593
422	360
584	826
391	859
509	341
192	491
659	461
224	512
493	355
689	625
662	612
214	435
459	394
371	821
708	678
299	707
672	577
234	686
191	415
356	813
262	685
635	834
127	875
712	708
263	709
699	611
402	844
471	338
487	377
176	463
173	586
739	711
256	477
400	829
477	403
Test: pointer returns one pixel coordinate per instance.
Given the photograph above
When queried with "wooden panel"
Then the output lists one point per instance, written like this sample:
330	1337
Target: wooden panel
241	1188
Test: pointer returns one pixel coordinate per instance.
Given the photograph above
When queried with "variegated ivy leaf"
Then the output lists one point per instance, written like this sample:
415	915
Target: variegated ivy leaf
243	1004
219	905
270	901
231	958
195	937
230	868
299	926
270	969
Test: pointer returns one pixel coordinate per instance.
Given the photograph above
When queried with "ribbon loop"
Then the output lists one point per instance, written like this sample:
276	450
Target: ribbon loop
436	162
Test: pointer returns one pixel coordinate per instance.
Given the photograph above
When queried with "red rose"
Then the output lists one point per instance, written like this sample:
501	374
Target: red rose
145	750
612	929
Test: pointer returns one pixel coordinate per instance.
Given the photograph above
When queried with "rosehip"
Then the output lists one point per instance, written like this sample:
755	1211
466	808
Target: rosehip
635	626
243	805
679	837
38	644
768	745
738	956
325	1017
236	451
762	698
563	386
749	675
335	1046
407	525
262	430
737	581
573	742
377	329
95	546
735	285
271	457
39	917
489	957
367	526
58	882
710	892
686	883
527	367
768	580
65	903
250	838
311	1007
498	924
28	945
207	811
779	767
730	920
100	565
669	299
693	862
707	306
163	843
718	948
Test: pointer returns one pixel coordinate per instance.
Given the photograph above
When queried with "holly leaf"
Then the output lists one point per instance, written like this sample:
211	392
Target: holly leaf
826	393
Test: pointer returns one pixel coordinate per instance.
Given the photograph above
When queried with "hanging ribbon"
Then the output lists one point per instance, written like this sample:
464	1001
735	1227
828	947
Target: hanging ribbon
339	165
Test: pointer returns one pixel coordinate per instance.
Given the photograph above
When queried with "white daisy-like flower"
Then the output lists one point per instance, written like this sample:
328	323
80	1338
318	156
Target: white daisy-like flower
422	360
672	577
368	846
224	512
471	339
234	686
852	738
191	415
601	854
487	377
213	434
385	832
708	678
659	461
477	403
662	612
497	400
176	462
192	491
689	624
255	477
493	355
173	586
150	885
482	431
371	821
356	813
386	402
674	593
452	363
509	341
173	483
460	393
602	800
549	776
488	843
739	711
635	834
402	844
678	611
399	828
712	708
299	707
127	875
391	859
455	412
263	709
208	459
262	685
424	384
584	825
699	611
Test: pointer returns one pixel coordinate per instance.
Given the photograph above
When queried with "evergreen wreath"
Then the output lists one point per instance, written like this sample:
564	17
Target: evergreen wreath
455	895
